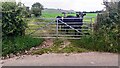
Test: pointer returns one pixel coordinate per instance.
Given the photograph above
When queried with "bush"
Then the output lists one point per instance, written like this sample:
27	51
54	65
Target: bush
107	30
19	44
110	18
98	42
12	20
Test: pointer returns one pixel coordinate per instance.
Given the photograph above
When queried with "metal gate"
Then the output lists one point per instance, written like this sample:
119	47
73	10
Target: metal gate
51	28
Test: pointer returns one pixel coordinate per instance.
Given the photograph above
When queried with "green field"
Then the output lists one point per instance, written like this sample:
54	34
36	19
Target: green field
87	18
53	15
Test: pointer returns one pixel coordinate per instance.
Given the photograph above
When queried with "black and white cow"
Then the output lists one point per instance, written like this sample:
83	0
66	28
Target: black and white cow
75	21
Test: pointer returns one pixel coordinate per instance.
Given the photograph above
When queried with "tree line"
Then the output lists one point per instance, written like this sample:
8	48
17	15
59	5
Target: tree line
35	10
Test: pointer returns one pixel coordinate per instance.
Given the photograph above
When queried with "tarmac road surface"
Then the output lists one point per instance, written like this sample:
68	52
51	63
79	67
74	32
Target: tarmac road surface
52	59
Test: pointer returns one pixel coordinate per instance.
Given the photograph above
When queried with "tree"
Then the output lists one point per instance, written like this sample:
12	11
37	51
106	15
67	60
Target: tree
12	20
37	9
25	10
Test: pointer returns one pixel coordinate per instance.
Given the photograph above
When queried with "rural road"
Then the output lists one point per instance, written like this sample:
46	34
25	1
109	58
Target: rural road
81	59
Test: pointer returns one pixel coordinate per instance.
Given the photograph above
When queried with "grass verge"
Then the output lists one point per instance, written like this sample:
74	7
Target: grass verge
19	44
97	43
58	48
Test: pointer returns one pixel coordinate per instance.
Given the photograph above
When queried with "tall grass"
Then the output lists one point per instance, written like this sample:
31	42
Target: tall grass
98	42
19	44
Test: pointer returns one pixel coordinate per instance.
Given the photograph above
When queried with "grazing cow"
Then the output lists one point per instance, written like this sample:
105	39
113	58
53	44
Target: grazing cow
74	21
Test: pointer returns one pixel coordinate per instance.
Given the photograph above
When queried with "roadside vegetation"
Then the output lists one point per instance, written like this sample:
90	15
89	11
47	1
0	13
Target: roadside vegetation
19	44
17	19
14	25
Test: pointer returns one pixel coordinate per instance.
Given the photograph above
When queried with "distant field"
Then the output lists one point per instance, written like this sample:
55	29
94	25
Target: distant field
54	15
87	18
51	15
91	14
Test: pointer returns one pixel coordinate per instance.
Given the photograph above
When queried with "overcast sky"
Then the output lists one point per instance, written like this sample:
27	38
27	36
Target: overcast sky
77	5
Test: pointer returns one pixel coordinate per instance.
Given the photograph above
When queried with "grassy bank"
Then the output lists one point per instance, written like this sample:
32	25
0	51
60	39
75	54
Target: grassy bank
97	43
19	44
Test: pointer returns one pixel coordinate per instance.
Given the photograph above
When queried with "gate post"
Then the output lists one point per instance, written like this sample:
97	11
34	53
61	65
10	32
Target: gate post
57	28
91	25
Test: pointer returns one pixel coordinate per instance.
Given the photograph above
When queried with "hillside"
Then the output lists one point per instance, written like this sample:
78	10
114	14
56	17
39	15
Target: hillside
48	10
52	13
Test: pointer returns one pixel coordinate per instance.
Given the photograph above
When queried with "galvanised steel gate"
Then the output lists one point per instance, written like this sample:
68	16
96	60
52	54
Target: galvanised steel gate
56	28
